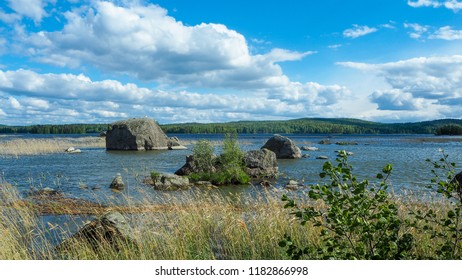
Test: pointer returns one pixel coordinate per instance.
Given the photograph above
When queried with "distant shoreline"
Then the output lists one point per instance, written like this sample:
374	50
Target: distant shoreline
296	126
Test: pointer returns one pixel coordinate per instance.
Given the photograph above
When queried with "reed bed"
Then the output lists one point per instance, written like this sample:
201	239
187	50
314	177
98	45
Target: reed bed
36	146
191	225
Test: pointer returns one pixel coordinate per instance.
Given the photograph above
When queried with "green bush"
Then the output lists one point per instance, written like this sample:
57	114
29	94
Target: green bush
445	225
203	156
227	168
357	220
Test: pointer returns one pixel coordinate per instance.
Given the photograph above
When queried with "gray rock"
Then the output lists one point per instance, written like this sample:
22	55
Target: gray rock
306	156
261	164
325	142
322	157
167	182
137	134
308	148
175	144
117	183
283	147
191	166
292	185
110	229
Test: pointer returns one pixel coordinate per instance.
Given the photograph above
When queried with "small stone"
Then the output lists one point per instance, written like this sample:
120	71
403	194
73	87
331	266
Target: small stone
117	183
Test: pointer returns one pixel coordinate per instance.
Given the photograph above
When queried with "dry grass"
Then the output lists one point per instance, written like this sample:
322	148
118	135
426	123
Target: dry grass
188	225
34	146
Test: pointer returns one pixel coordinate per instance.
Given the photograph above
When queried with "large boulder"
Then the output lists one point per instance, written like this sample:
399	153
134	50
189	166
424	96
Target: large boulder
261	164
111	229
138	134
283	147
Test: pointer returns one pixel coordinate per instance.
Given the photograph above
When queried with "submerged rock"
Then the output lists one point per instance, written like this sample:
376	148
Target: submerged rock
283	147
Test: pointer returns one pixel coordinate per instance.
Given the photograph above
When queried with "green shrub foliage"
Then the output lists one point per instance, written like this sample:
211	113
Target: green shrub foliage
227	168
357	220
445	229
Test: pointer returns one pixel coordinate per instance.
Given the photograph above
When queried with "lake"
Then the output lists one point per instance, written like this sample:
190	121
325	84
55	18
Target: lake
88	174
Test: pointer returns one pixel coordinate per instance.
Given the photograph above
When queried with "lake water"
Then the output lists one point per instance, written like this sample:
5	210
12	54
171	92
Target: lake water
88	175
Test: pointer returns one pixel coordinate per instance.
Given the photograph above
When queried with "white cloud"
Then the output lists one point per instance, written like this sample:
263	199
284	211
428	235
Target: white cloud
334	47
423	32
424	3
14	103
358	31
47	97
9	18
426	84
33	9
147	43
446	33
453	5
417	30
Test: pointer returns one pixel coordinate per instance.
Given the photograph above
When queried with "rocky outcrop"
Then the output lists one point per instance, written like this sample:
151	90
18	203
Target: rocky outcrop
111	229
261	164
166	182
191	166
117	183
283	147
138	134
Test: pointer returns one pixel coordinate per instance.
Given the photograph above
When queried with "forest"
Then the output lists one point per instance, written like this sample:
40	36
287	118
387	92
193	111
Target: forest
296	126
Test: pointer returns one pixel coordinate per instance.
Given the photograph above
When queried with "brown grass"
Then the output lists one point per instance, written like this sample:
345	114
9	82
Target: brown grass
20	147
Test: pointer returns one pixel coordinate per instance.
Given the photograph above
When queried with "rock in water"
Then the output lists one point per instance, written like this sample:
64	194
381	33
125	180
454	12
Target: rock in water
117	183
261	164
138	134
283	147
168	182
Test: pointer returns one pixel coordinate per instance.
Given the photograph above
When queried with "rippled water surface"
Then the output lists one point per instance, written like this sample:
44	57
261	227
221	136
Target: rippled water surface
88	175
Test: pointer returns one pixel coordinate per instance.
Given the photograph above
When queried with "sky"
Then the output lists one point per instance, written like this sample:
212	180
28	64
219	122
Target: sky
96	61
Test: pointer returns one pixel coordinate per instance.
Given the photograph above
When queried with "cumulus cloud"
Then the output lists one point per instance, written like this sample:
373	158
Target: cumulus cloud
33	9
146	43
453	5
49	97
427	32
431	84
446	33
358	31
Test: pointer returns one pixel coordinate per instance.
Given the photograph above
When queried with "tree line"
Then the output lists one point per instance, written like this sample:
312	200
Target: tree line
297	126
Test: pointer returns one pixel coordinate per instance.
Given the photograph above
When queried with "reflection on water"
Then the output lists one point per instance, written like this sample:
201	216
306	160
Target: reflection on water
88	175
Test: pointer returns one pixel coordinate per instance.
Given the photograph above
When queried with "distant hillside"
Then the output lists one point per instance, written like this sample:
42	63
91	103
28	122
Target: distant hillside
297	126
313	126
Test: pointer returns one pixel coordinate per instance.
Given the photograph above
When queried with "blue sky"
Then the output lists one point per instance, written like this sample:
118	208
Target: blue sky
212	61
